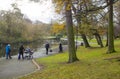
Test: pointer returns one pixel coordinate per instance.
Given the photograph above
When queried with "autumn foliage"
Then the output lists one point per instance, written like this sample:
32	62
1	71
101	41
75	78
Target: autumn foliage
57	28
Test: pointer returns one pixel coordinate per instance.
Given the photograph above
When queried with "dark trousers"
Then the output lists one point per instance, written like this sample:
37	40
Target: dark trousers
46	51
8	55
19	56
60	49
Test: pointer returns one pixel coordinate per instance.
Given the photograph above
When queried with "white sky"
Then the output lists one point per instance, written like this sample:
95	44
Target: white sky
35	11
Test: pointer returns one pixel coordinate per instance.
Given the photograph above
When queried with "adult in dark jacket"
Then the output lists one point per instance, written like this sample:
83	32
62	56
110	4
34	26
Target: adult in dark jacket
60	48
21	52
47	46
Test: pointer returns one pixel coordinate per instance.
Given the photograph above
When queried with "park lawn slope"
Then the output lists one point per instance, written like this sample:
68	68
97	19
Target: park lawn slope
93	63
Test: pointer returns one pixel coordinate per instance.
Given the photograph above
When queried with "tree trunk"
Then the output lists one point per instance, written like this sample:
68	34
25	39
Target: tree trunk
110	29
70	33
85	40
107	39
98	38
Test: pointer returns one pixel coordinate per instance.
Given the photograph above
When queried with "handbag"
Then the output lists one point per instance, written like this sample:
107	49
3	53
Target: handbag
50	50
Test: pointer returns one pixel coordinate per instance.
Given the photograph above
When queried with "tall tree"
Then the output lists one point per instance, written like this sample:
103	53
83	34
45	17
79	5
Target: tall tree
110	29
70	33
69	26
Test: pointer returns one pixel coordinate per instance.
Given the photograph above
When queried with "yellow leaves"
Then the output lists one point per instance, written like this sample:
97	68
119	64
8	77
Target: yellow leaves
68	7
56	28
60	2
68	4
58	5
58	11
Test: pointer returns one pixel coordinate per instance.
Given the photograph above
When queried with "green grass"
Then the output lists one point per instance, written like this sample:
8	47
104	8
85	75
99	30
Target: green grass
93	63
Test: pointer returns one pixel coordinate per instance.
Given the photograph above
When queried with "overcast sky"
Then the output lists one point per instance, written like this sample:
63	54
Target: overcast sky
35	11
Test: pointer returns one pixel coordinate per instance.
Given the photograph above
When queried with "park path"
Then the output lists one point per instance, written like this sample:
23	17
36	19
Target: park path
13	68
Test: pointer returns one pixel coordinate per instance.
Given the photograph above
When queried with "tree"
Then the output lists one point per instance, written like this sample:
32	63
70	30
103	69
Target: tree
66	4
110	29
70	33
18	28
82	24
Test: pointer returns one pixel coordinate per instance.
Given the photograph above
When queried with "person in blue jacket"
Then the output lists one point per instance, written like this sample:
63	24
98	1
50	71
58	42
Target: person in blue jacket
8	50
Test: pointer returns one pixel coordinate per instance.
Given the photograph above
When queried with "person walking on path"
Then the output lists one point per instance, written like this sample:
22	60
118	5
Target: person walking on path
60	48
47	46
21	52
8	51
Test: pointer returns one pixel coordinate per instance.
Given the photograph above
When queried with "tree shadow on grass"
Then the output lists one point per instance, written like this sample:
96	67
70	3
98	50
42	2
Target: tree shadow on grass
94	47
116	58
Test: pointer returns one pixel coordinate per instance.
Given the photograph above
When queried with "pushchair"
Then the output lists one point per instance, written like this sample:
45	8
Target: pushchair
28	54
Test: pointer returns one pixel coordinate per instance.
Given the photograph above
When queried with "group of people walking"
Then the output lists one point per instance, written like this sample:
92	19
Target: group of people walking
21	51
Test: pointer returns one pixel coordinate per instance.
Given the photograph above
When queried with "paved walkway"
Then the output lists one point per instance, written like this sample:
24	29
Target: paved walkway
13	68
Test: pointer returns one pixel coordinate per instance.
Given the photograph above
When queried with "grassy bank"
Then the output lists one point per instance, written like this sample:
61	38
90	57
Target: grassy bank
93	63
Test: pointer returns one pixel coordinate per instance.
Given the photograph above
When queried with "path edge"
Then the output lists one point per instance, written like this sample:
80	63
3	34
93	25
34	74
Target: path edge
36	64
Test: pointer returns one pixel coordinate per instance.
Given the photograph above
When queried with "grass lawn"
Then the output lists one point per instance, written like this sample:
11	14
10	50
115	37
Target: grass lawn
93	63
